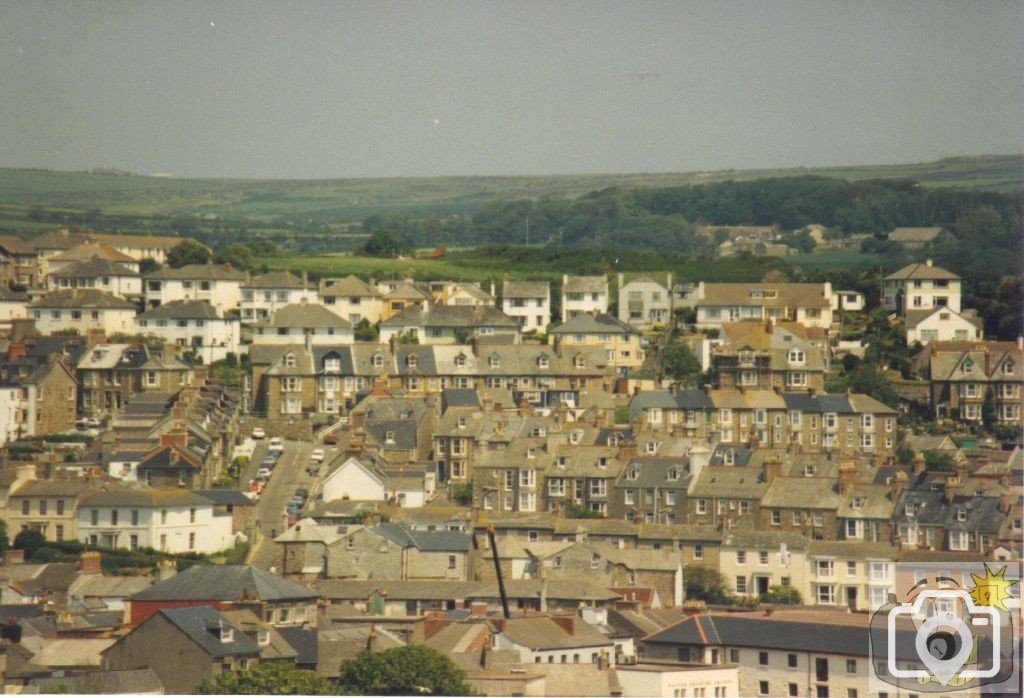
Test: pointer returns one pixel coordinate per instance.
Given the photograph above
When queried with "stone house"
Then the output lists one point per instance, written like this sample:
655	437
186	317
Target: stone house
584	294
961	374
399	296
352	298
652	490
450	324
619	341
726	495
184	647
47	506
98	273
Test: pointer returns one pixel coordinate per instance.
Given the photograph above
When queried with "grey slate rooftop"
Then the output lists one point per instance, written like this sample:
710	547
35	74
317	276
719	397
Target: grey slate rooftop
224	583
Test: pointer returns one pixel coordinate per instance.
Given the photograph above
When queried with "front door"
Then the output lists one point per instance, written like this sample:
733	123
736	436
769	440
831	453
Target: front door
851	598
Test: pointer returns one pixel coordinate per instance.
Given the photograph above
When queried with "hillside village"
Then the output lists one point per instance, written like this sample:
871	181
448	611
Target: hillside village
507	474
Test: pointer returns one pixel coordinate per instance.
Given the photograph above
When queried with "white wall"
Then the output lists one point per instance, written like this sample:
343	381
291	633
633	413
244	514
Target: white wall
211	533
217	337
297	335
223	295
261	303
109	320
353	481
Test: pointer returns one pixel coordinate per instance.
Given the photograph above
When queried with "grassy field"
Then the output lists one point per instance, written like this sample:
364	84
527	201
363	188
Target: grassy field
351	200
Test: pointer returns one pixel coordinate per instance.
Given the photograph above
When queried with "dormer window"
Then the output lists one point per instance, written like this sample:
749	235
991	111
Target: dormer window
542	361
809	470
672	474
289	360
389	437
633	474
797	356
226	633
651	447
612	440
857	503
531	453
1008	366
332	364
602	462
578	361
961	514
262	638
538	431
461	422
729	457
967	366
908	509
460	361
494	361
412	361
378	360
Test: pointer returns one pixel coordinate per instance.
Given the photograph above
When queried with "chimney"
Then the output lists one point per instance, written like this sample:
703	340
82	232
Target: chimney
371	638
556	345
177	437
16	350
14	556
567	623
847	476
474	343
896	484
772	468
305	279
950	489
201	374
477	609
919	464
90	563
928	262
22	328
95	336
602	660
486	658
1006	500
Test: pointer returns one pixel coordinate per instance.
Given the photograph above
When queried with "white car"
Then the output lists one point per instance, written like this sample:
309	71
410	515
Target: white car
317	456
276	444
258	433
264	472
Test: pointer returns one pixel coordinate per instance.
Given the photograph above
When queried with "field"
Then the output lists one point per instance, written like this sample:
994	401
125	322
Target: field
341	201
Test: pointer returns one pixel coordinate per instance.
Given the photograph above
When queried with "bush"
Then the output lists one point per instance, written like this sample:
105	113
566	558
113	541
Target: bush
782	594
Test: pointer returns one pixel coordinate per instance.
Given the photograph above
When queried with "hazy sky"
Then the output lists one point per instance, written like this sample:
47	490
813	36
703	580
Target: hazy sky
353	89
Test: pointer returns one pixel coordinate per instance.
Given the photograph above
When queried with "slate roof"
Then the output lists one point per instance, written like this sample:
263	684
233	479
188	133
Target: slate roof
543	633
181	310
458	316
425	541
113	495
653	472
403	432
585	284
225	497
92	268
915	317
921	271
931	509
200	272
815	633
303	641
585	323
407	291
224	583
83	299
741	483
459	397
202	623
525	289
9	296
15	245
102	682
915	234
302	315
801	492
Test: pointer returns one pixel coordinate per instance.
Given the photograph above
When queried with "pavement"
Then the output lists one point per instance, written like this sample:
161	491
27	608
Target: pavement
271	517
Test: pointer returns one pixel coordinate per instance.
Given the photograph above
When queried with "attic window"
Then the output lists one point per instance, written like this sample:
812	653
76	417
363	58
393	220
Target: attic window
578	361
961	514
227	633
858	503
378	360
262	638
633	474
1008	366
729	457
542	361
460	361
797	356
602	462
494	361
538	431
389	437
531	453
651	447
612	440
672	474
462	423
289	360
332	364
809	470
412	361
967	366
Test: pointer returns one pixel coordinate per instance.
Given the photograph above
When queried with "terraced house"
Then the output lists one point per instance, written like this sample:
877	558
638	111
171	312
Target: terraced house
807	304
963	375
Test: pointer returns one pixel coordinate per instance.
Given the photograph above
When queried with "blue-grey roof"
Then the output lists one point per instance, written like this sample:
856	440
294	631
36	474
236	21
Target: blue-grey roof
202	624
835	403
426	363
741	454
224	583
303	641
426	541
459	397
805	402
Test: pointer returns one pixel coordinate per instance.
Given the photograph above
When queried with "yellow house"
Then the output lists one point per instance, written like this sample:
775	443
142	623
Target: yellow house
620	342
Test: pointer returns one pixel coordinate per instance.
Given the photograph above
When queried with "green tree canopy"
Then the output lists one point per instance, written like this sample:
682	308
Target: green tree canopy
187	252
681	364
782	594
383	243
30	541
271	678
706	584
403	671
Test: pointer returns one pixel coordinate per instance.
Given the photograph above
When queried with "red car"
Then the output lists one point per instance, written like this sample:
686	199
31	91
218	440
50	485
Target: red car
330	439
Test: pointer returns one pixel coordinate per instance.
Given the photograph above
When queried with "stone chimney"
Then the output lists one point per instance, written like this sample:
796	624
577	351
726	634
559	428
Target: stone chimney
950	488
176	437
897	483
22	328
165	569
90	563
16	350
771	468
201	374
95	336
919	464
474	343
847	476
478	609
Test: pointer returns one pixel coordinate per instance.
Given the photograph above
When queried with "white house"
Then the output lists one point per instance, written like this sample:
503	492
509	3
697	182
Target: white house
265	294
302	322
83	310
194	324
13	306
850	301
219	284
808	304
141	247
671	679
362	482
921	287
173	521
584	294
943	324
100	274
13	424
529	302
643	302
85	252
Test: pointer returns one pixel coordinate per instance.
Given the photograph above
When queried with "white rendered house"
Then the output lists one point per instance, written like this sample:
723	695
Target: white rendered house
194	325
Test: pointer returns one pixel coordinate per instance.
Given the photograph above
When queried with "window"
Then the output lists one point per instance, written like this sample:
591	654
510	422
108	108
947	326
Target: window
851	666
797	356
762	658
741	557
826	594
94	517
776	517
824	568
192	541
741	584
113	517
60	507
762	688
698	551
734	656
762	557
791	660
192	515
794	690
451	562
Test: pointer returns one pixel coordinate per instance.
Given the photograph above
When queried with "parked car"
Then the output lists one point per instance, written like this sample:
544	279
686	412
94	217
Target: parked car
276	444
331	439
302	492
258	433
317	456
293	508
264	471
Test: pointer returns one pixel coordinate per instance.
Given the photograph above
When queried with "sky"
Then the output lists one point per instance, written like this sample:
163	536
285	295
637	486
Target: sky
385	89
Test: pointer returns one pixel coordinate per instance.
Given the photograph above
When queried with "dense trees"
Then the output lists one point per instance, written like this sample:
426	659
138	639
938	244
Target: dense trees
269	678
403	671
706	584
680	364
187	252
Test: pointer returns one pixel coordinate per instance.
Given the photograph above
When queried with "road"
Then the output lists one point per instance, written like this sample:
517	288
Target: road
270	509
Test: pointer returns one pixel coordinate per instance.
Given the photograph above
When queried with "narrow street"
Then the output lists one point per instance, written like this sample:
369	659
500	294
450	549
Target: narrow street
270	509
